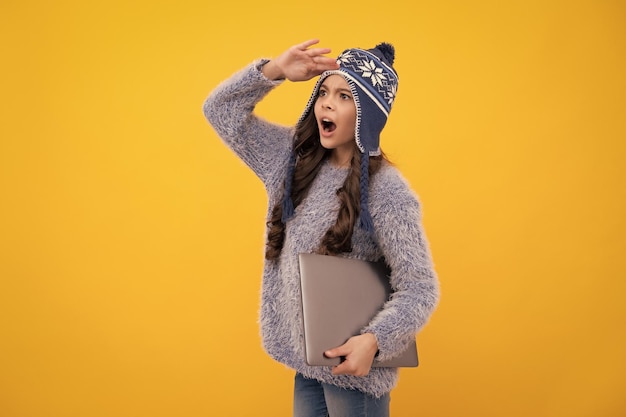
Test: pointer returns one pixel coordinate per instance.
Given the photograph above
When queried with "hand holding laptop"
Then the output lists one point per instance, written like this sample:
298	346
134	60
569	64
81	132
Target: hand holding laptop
359	352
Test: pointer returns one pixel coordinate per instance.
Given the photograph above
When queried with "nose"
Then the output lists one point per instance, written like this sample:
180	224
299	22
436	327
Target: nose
326	103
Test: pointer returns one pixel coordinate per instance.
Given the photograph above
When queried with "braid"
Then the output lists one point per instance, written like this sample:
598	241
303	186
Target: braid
338	238
287	209
353	203
304	165
366	222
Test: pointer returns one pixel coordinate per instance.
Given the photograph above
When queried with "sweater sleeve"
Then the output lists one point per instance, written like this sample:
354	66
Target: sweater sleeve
415	287
263	146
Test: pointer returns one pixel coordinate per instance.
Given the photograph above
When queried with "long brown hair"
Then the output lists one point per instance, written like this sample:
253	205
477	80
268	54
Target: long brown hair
310	155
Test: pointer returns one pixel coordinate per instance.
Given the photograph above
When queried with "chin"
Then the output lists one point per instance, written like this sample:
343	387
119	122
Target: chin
327	144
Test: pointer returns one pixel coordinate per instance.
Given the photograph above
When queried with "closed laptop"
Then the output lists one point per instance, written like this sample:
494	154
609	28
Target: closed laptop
340	296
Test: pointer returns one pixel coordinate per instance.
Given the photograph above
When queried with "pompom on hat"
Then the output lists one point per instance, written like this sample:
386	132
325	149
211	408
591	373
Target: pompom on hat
373	83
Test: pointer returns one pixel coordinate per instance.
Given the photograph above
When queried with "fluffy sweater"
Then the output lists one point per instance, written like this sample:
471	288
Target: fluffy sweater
398	236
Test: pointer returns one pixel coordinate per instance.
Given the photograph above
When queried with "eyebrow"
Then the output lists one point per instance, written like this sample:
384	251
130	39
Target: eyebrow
341	90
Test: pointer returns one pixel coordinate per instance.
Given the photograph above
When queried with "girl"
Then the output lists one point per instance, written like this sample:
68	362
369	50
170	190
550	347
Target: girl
331	191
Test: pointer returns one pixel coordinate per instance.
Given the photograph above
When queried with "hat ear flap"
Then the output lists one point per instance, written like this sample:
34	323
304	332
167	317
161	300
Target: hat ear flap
371	124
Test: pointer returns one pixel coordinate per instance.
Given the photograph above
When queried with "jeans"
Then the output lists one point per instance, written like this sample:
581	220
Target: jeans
312	398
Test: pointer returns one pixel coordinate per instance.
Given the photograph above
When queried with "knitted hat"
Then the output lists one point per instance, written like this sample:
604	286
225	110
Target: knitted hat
373	83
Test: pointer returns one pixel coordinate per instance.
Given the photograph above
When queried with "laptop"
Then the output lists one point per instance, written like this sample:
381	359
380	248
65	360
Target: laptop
340	296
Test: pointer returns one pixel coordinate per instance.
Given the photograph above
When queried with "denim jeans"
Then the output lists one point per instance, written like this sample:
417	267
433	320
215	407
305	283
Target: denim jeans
312	398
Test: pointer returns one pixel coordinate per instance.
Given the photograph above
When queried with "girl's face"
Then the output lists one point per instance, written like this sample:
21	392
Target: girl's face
335	113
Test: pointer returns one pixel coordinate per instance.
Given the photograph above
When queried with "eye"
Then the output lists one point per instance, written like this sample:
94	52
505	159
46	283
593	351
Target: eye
322	93
345	96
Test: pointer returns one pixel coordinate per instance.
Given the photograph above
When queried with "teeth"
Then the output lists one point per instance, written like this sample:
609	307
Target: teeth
328	125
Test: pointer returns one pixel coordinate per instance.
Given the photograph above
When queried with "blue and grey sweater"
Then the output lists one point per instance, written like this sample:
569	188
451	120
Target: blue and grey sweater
398	236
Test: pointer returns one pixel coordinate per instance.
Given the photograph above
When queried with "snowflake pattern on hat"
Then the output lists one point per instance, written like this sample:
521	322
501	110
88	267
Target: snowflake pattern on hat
372	71
365	65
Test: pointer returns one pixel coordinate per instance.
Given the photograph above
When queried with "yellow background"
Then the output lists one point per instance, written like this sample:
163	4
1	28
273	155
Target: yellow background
131	239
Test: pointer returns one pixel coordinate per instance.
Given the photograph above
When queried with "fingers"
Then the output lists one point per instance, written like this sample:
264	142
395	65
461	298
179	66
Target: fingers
306	44
338	351
325	60
299	63
344	368
341	369
349	367
359	354
324	63
318	51
313	52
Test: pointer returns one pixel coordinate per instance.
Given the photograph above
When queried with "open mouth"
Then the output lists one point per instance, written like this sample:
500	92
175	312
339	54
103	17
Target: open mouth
328	126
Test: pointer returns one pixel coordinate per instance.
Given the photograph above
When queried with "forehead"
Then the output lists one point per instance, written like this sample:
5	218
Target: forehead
335	81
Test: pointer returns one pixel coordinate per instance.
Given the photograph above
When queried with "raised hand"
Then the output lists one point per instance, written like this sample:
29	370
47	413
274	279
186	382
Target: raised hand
300	63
